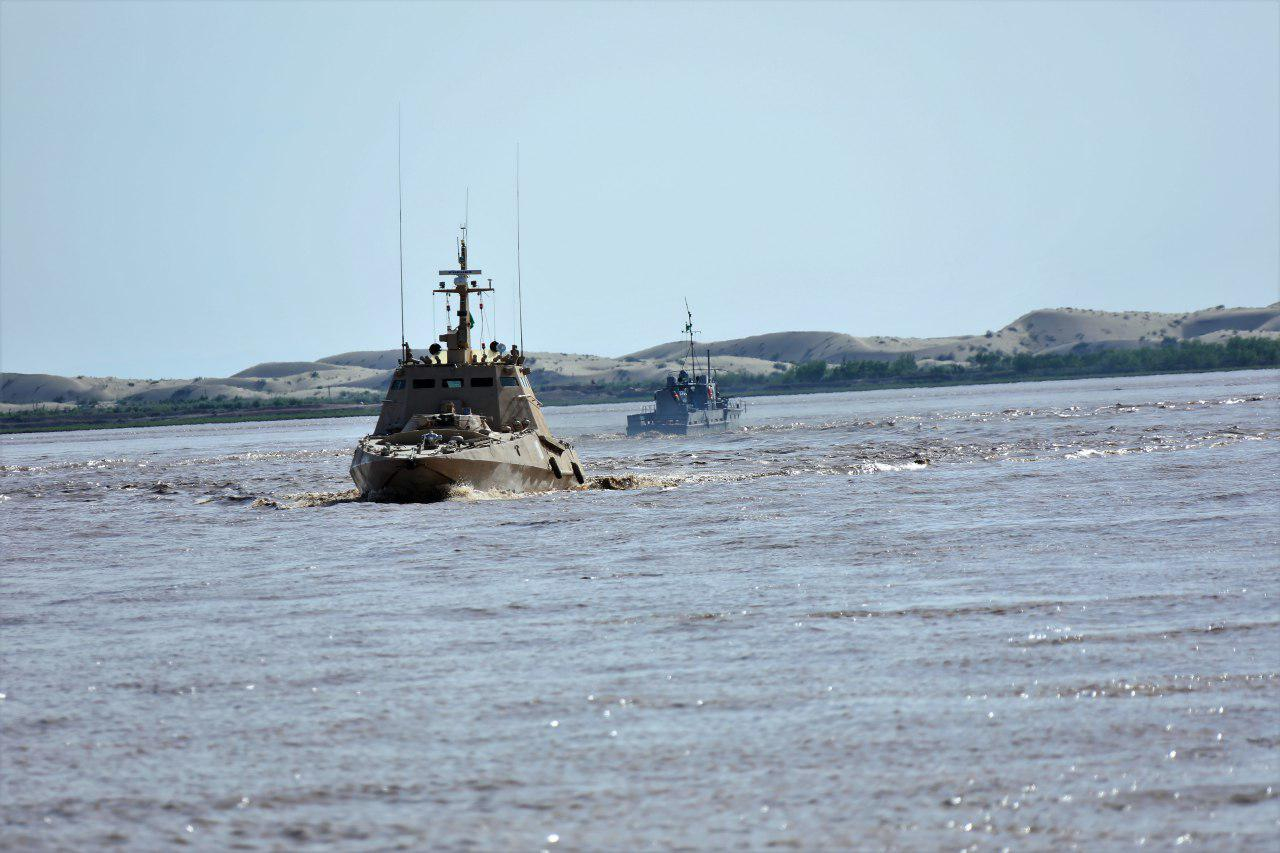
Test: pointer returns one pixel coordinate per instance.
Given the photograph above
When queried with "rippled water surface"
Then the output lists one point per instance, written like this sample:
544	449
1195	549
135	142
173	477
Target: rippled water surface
1021	615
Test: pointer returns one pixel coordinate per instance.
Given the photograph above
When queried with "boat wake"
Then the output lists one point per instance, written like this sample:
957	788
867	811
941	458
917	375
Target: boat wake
467	492
626	482
307	500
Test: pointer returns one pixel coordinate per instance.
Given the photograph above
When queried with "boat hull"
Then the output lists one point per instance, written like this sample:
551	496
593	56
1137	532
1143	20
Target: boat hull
714	420
522	464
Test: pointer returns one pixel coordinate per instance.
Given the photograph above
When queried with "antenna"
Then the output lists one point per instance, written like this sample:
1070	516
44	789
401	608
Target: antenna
688	328
404	344
519	277
466	222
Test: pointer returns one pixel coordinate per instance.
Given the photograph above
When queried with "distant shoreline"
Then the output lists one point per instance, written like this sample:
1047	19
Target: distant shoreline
553	399
831	388
1048	343
855	386
293	413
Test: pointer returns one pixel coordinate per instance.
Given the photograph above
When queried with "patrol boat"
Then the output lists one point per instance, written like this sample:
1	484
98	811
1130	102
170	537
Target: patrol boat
461	416
687	404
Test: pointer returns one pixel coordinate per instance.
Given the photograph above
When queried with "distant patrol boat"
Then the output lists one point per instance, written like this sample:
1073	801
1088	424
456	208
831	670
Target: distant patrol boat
687	403
461	416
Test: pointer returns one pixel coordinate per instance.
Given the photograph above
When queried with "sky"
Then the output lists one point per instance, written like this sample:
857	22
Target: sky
187	189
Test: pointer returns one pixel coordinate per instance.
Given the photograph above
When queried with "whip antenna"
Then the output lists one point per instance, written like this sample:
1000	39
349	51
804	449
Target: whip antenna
519	277
404	344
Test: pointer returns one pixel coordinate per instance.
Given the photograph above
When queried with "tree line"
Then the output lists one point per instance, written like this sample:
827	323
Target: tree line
186	410
1170	357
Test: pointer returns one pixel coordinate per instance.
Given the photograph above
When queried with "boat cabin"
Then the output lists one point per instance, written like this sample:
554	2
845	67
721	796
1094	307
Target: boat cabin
496	390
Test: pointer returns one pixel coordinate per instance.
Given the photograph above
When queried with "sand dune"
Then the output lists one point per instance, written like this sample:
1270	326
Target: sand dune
1052	329
366	372
1235	319
557	368
277	369
46	388
385	359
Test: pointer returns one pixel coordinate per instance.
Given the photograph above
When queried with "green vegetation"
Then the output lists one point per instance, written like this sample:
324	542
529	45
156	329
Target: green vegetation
184	411
1170	357
984	367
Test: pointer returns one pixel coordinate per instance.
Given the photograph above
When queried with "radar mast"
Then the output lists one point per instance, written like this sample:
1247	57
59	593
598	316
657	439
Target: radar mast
458	340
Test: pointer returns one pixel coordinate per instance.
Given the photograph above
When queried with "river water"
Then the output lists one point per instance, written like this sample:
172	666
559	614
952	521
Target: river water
1021	616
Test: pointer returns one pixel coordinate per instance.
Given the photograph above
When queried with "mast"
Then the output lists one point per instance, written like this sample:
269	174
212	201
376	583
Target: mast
688	329
404	343
519	277
458	341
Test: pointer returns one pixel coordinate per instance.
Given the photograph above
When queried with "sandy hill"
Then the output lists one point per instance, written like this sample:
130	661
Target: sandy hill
364	374
1047	330
46	388
276	369
563	368
385	359
784	346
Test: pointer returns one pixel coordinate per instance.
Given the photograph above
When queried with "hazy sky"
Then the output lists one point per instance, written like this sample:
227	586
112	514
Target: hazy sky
188	189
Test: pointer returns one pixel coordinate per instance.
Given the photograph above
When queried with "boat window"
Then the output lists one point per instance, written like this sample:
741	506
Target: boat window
397	384
482	382
424	383
510	382
453	383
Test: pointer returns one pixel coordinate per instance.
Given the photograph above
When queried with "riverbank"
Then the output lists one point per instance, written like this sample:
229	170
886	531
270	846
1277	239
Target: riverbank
833	387
65	420
559	397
